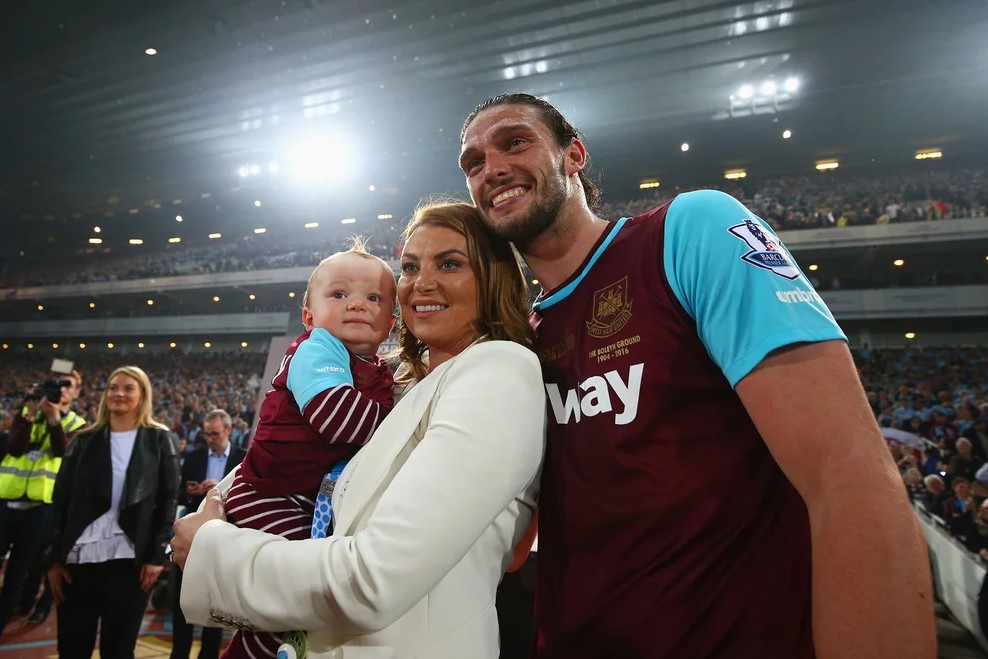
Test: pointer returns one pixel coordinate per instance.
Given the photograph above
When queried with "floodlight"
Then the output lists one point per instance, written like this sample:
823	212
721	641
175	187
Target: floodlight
791	85
746	91
321	157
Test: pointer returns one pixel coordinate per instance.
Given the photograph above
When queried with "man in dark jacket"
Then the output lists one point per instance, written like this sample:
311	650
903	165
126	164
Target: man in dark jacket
203	469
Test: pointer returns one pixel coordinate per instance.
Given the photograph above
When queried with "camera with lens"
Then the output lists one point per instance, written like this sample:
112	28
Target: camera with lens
50	389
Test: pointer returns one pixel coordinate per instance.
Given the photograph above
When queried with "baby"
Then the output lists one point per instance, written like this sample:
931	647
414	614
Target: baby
329	395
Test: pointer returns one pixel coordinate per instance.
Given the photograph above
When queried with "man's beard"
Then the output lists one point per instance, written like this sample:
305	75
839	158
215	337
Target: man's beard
540	217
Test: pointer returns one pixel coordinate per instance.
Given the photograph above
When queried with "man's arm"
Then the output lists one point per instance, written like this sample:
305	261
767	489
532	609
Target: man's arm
871	574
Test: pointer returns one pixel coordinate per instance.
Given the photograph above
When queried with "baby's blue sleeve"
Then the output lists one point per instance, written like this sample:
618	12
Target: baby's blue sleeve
320	363
736	279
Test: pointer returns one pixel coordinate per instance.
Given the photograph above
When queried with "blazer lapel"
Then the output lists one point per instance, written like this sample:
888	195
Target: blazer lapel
231	462
101	465
377	456
141	461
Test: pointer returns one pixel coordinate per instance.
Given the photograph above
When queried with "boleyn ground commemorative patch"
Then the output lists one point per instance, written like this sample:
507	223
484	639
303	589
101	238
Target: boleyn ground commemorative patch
764	250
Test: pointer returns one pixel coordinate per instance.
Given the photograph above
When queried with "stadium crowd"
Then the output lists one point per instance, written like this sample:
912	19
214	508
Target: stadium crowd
932	405
795	202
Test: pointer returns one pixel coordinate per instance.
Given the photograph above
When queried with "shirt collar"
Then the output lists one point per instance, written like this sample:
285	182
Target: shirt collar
224	454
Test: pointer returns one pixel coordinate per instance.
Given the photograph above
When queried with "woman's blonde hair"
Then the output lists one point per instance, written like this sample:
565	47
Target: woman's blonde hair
144	418
501	289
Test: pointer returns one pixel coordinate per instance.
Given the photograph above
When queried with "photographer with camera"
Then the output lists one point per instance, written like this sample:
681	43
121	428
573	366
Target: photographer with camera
39	435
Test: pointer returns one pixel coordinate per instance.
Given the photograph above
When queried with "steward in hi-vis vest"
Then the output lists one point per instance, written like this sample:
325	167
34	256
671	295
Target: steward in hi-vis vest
39	436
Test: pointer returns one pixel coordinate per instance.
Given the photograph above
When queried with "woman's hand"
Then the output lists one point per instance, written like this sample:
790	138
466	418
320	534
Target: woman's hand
149	575
187	527
58	576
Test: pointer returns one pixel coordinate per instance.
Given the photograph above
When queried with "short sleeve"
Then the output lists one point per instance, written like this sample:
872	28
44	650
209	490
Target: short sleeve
321	362
736	279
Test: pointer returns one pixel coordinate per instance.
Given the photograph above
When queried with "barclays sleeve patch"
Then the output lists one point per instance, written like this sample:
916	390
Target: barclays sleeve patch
764	250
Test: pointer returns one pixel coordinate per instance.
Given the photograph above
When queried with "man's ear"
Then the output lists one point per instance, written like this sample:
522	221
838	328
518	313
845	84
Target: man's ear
576	157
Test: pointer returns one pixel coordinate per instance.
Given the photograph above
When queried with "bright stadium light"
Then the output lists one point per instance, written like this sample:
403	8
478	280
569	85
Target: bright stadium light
768	88
791	85
929	154
244	171
322	157
786	134
684	147
910	335
746	91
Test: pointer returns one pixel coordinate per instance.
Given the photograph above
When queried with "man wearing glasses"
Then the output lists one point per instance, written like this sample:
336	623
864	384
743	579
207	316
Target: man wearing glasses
202	470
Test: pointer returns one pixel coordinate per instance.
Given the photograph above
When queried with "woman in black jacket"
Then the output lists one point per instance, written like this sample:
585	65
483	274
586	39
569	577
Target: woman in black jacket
113	506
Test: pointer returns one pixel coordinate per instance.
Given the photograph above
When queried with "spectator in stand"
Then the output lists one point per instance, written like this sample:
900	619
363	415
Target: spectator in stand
936	494
903	411
978	434
977	539
239	432
920	410
913	478
958	509
963	463
941	432
178	428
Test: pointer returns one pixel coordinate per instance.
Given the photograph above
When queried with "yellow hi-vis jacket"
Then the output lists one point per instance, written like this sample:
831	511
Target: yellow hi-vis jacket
32	475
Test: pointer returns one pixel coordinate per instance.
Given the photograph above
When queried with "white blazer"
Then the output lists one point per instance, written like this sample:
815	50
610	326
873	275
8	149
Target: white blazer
424	531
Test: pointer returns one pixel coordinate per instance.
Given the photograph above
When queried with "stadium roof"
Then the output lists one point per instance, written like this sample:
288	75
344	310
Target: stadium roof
95	127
